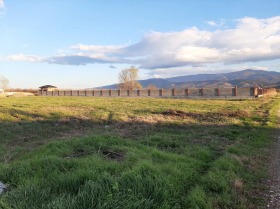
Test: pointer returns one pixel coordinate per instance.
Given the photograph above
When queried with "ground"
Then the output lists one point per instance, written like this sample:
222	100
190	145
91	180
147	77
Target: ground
82	152
273	181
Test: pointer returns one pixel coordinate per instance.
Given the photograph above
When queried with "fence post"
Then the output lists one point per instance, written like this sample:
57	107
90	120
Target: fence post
149	92
218	91
93	93
119	92
101	92
187	92
128	92
202	91
64	93
71	93
110	92
52	92
161	92
138	92
173	92
260	91
235	91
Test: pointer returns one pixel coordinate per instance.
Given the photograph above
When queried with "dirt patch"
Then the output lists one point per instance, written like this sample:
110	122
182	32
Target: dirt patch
207	116
113	155
180	113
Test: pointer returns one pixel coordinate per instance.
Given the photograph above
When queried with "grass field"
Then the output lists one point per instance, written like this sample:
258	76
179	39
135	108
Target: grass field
78	152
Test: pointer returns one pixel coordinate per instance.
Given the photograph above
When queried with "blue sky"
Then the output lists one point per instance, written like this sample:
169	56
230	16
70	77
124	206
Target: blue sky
85	43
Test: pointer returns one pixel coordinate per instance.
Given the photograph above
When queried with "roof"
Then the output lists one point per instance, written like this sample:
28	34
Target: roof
47	86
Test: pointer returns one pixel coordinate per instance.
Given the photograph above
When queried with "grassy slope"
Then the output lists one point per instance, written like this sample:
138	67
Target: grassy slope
123	153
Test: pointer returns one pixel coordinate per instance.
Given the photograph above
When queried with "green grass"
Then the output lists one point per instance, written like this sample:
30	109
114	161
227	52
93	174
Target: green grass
62	152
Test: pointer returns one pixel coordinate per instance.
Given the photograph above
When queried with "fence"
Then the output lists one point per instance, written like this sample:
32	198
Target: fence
167	93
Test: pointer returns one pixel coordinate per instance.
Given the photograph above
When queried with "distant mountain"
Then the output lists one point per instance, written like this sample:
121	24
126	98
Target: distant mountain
244	78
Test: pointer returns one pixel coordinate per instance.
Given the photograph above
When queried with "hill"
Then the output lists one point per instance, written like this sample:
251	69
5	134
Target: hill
244	78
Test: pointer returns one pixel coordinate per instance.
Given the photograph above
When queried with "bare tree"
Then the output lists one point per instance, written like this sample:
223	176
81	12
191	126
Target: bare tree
4	82
128	79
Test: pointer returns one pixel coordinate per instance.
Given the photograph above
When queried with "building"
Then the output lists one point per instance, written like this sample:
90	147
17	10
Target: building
48	88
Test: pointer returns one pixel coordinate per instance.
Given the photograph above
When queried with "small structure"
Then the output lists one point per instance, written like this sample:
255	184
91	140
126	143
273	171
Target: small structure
48	88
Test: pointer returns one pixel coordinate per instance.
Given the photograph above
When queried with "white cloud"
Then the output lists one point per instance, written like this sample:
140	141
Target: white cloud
2	8
95	48
25	58
251	40
2	5
216	24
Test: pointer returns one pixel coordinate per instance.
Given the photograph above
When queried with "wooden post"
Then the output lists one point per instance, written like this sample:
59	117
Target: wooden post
138	92
202	91
101	92
149	92
64	93
128	92
110	92
119	92
52	92
71	93
218	91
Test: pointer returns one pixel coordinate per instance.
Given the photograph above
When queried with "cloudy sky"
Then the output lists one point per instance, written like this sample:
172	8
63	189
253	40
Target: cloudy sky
85	43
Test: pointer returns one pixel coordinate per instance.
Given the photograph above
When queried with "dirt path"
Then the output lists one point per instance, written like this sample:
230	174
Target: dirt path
274	174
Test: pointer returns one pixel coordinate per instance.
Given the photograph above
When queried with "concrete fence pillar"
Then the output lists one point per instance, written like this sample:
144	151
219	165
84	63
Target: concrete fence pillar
187	92
161	92
218	91
173	92
201	91
235	91
253	92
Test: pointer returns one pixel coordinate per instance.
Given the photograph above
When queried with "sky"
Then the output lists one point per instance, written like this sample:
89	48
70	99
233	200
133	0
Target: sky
86	43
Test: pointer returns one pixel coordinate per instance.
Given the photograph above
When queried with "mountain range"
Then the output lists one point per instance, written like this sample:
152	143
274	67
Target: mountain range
244	78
